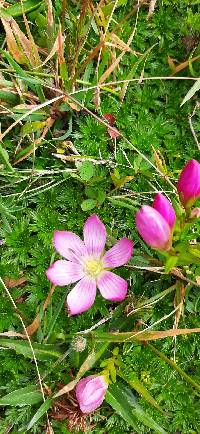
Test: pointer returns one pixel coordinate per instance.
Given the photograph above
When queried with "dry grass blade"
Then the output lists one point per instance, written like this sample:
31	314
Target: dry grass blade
12	45
33	46
87	364
11	334
56	47
151	9
50	15
114	65
25	115
12	283
181	66
179	302
160	161
28	52
145	335
118	43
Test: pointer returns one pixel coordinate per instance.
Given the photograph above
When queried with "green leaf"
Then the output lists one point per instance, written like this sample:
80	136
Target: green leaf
42	351
87	170
9	96
68	132
125	403
170	263
5	158
191	92
88	204
187	254
53	320
122	204
29	395
16	9
195	250
101	195
141	389
40	412
121	405
32	127
22	74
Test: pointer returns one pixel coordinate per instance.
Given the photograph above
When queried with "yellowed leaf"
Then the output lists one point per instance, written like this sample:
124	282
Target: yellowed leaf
118	43
71	104
171	63
13	47
11	334
178	303
149	335
25	43
119	182
50	14
159	160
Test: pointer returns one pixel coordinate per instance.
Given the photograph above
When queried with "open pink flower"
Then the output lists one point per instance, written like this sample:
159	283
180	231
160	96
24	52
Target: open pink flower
88	264
90	392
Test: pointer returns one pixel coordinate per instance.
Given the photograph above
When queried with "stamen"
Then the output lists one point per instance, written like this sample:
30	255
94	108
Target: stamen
94	267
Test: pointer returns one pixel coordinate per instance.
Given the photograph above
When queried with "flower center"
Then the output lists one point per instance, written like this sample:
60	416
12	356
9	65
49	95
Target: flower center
94	267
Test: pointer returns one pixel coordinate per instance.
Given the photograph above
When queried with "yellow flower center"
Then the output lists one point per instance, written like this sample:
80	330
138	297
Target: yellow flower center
94	267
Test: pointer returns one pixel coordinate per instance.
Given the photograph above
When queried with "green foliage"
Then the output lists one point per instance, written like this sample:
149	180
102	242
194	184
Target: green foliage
71	174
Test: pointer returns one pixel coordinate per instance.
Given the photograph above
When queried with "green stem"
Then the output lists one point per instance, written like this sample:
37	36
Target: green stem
175	367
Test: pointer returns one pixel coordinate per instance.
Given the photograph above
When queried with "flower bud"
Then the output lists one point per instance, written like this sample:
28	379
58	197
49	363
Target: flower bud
164	207
189	183
153	228
90	392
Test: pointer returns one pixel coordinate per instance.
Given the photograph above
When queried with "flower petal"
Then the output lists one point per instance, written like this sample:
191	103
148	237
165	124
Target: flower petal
153	228
189	183
112	287
90	392
94	233
69	245
164	207
64	272
82	296
119	254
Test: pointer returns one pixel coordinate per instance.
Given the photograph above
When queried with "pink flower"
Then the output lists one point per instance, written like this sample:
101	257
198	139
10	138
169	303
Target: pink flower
88	264
155	223
153	228
90	392
164	207
189	183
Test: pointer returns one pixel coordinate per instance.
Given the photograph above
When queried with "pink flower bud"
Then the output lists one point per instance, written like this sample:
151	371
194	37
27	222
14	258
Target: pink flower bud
90	392
195	213
164	207
189	183
153	228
